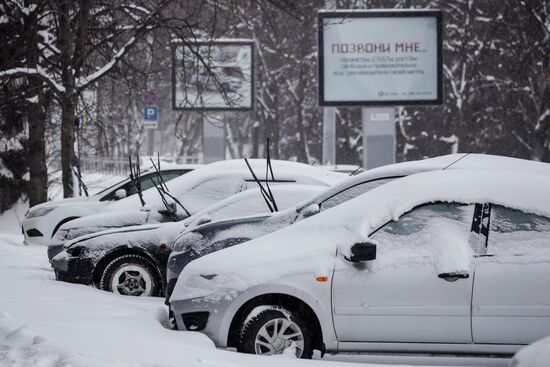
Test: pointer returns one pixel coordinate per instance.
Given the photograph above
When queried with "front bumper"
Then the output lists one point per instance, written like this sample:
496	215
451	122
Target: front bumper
215	327
73	269
175	264
53	251
35	232
170	284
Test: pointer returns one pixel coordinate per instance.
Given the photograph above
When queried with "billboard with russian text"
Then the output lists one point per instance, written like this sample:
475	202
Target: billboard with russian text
379	57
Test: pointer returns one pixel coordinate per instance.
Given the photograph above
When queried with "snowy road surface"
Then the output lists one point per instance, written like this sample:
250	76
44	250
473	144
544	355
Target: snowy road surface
48	323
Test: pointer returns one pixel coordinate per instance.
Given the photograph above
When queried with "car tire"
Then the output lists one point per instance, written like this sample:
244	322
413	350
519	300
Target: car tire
262	333
131	275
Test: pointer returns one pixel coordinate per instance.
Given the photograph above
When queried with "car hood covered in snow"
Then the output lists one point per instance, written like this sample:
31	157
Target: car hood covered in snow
133	236
62	202
248	202
103	221
311	245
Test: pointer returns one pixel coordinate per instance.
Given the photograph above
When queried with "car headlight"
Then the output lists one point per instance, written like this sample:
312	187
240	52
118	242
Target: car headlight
40	212
186	240
74	251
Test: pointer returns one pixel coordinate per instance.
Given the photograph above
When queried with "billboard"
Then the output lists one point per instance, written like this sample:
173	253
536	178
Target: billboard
380	57
215	75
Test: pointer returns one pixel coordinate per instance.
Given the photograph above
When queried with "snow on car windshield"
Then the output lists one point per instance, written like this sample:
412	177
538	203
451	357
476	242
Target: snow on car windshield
209	184
251	202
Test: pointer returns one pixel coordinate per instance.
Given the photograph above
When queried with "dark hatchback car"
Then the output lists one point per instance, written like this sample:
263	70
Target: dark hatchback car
132	260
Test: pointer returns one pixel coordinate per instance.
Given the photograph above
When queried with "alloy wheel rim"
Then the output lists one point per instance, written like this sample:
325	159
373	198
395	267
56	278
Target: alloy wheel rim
132	280
278	334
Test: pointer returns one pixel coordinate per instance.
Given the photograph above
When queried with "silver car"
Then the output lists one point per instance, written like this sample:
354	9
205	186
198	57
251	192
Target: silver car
439	262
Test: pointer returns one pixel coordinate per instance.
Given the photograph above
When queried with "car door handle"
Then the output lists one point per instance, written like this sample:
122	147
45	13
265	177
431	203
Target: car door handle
453	277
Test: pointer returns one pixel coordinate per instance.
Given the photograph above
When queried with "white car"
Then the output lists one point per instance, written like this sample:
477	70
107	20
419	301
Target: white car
453	261
195	191
43	221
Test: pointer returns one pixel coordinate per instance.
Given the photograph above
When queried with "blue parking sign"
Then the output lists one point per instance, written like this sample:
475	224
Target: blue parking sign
150	113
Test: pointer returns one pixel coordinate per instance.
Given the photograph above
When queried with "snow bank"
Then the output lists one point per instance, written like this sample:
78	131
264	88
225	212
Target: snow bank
20	346
10	220
534	355
309	246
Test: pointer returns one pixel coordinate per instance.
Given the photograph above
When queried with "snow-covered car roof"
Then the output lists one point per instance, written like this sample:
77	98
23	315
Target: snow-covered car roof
449	161
248	202
309	246
230	171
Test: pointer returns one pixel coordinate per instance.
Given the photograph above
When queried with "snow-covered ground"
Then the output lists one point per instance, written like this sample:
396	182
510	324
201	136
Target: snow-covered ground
48	323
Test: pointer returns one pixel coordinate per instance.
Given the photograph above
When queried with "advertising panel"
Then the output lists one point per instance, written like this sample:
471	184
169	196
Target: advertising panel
379	57
213	75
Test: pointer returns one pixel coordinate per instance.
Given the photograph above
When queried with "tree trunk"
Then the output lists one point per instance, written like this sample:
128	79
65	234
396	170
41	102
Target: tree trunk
38	180
67	143
67	98
36	118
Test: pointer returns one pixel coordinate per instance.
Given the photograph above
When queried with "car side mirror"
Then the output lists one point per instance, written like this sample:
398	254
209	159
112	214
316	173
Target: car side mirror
363	251
120	194
171	208
204	219
311	210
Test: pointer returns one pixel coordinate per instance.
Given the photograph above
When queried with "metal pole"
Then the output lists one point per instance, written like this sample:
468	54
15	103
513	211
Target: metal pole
329	119
79	152
378	136
150	142
329	135
365	123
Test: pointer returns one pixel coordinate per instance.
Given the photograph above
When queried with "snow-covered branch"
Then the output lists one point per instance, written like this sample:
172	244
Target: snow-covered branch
23	71
82	83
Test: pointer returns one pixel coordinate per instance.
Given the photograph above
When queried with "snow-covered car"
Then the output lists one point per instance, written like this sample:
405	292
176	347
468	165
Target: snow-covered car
132	260
199	241
195	191
452	261
43	221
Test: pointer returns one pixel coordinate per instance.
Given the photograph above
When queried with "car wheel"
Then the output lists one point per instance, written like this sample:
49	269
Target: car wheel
276	331
130	275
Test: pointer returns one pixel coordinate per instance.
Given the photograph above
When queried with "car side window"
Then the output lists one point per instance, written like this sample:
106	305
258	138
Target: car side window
514	232
146	183
437	233
168	175
352	192
151	179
